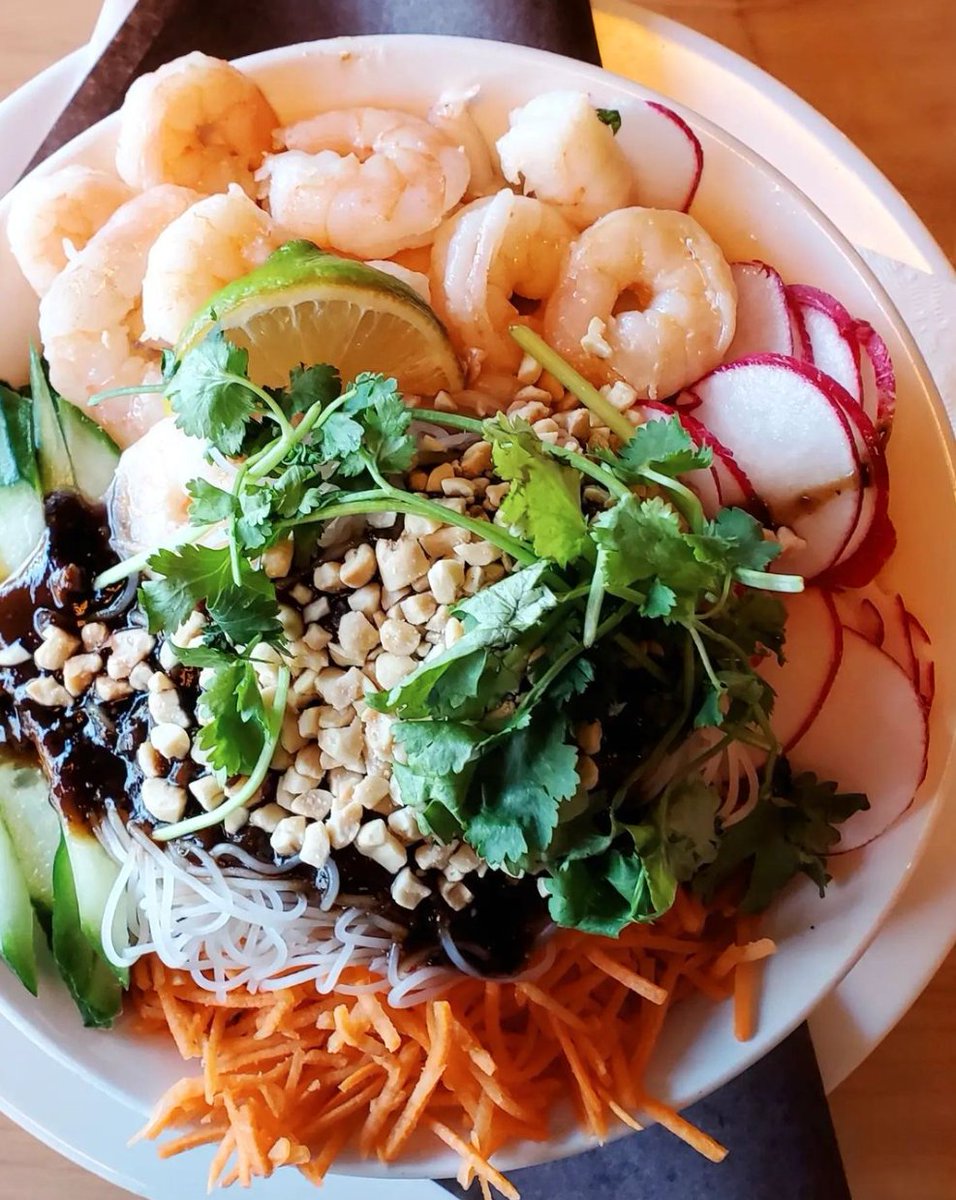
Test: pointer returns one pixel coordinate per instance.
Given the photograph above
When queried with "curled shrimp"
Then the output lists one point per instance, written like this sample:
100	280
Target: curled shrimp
365	181
196	122
214	242
663	296
451	115
53	217
559	150
490	252
91	318
147	503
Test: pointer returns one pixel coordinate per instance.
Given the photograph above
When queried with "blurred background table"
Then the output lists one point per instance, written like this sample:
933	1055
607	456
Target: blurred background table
882	71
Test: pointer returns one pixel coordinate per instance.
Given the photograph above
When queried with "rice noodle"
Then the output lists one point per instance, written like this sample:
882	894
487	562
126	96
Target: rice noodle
233	927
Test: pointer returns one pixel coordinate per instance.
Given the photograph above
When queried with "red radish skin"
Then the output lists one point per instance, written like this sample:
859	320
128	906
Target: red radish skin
879	378
834	346
798	333
672	152
922	648
874	539
862	615
763	313
870	736
813	651
784	424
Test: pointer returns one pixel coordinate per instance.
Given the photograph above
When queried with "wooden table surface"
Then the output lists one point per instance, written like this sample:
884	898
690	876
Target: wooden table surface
882	71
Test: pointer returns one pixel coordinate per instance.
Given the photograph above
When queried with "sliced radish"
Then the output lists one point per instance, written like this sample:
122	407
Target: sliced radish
834	347
923	661
763	313
798	333
878	376
874	538
813	650
669	147
784	425
861	614
869	736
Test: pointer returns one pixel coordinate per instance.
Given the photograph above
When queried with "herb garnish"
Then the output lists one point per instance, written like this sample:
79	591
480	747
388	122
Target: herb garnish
485	727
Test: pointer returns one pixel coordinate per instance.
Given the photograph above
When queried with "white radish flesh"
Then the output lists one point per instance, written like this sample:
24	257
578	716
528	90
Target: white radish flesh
670	158
763	313
830	329
782	423
813	650
869	736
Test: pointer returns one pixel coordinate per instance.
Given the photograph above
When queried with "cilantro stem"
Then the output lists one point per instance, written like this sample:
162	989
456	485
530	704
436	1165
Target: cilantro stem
398	501
641	657
769	581
560	664
314	419
253	782
565	374
275	411
705	658
136	390
592	613
234	562
130	566
684	498
452	420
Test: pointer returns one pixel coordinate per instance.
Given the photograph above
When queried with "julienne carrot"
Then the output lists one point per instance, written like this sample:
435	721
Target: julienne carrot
292	1077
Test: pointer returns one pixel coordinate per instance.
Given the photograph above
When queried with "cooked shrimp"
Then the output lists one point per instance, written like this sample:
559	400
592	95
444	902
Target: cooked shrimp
148	504
365	181
53	217
646	296
494	249
211	244
197	122
452	116
560	151
91	320
414	279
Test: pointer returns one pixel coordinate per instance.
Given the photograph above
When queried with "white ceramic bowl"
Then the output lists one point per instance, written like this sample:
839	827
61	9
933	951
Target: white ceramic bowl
753	212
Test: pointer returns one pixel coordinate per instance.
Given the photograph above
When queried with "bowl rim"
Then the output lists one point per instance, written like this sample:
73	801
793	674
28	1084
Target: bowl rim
575	1141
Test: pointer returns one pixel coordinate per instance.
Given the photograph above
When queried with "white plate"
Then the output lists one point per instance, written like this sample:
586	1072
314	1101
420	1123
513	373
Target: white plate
813	960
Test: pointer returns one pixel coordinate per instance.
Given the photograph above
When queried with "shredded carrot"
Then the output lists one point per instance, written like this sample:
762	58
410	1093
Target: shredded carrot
291	1077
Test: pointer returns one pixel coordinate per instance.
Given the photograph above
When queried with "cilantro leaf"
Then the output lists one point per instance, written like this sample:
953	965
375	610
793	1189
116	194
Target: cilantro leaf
790	832
601	894
611	118
664	446
544	501
641	543
735	539
208	393
194	575
520	787
237	723
209	503
494	619
308	386
340	438
377	406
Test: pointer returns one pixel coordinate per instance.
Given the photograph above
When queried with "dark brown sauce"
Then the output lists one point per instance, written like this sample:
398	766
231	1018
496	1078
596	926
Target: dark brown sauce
811	501
86	750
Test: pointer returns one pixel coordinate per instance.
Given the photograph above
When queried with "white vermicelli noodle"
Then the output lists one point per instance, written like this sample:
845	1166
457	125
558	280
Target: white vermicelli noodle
232	927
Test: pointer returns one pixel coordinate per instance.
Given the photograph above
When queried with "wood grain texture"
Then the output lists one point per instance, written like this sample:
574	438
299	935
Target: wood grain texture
882	71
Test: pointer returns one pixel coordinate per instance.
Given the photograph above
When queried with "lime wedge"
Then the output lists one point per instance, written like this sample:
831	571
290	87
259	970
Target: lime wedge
304	305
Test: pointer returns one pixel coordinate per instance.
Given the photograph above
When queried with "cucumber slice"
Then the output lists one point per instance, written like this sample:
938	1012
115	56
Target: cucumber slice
33	826
92	451
94	987
21	500
94	874
17	944
53	457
